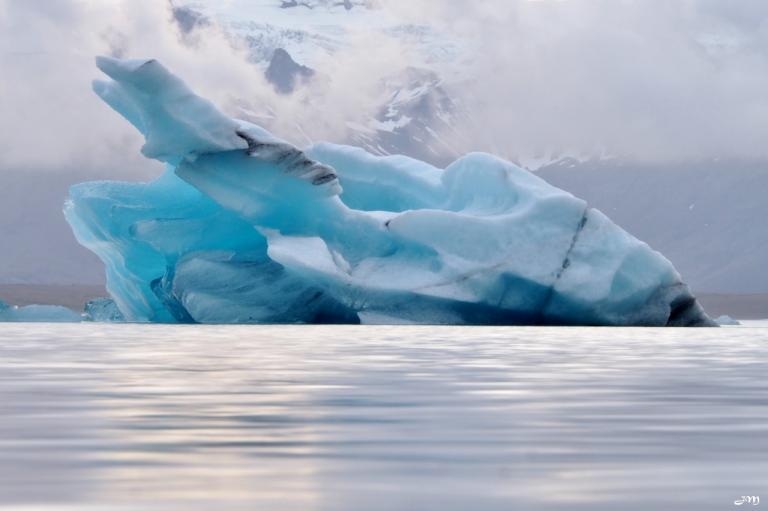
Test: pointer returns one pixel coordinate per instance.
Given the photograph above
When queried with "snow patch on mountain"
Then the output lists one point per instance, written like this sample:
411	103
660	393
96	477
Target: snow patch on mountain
423	113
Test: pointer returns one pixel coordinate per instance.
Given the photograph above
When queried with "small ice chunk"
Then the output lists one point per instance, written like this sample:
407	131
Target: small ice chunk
103	310
37	314
726	320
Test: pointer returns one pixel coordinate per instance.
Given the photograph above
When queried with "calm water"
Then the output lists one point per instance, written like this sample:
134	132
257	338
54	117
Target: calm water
381	418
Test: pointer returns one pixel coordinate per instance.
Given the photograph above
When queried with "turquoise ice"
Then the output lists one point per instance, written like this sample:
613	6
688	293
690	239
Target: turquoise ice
37	314
245	228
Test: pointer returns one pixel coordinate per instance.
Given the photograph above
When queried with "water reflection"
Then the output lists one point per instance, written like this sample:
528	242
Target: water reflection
389	418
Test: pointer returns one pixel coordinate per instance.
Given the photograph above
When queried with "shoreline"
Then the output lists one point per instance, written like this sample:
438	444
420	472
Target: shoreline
74	296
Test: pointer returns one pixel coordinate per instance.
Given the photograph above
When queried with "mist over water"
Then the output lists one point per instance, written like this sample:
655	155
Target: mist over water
381	418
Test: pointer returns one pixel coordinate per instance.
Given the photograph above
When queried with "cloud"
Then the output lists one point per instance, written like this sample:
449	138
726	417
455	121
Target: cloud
48	119
51	120
348	89
649	79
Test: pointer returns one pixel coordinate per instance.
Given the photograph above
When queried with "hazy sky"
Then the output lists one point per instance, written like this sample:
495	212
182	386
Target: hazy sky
651	79
654	80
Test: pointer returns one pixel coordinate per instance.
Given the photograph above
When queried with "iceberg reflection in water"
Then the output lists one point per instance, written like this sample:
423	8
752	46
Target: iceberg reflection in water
380	418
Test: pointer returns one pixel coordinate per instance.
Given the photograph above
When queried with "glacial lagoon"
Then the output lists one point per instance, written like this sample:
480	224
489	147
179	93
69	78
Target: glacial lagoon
99	416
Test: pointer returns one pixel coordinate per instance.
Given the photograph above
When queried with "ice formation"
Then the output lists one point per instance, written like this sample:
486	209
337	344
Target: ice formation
726	320
37	314
102	310
245	228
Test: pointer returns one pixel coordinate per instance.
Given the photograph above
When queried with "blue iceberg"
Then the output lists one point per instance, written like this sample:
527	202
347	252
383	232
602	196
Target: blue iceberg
243	227
102	310
37	314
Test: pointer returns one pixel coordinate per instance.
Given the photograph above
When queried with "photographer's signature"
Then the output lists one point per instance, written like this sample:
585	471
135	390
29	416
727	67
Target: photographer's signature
753	500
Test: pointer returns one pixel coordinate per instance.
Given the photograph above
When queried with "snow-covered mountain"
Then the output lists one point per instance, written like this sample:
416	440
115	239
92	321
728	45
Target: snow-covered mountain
326	4
285	74
422	113
307	29
419	117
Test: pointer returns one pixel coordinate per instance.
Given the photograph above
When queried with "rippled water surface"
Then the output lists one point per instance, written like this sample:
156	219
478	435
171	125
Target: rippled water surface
381	418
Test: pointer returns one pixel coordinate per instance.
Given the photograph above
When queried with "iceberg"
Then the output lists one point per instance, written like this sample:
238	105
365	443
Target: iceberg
102	310
37	314
243	227
726	320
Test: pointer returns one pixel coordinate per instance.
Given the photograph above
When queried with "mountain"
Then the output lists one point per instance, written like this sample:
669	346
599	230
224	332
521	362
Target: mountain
285	73
419	117
188	19
304	28
315	4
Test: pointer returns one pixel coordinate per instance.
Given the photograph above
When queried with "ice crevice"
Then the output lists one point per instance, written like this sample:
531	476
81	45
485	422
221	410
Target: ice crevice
243	227
292	159
566	260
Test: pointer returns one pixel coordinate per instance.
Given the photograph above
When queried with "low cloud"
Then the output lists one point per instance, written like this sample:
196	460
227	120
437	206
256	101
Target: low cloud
50	118
52	121
649	79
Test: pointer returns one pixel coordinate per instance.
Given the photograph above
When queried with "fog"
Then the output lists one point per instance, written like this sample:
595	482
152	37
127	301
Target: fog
51	120
650	79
